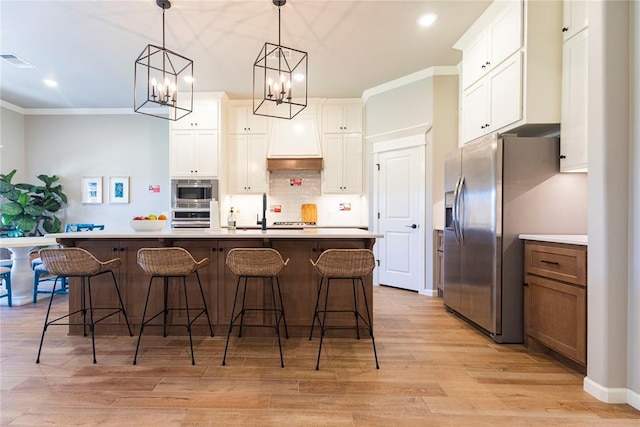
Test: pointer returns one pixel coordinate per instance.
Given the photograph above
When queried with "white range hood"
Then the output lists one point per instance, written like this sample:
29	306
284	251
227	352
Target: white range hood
295	138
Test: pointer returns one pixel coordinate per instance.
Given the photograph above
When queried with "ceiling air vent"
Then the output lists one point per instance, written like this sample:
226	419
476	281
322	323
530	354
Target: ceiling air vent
282	52
16	61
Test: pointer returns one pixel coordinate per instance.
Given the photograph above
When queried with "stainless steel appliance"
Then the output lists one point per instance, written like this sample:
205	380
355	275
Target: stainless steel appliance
193	193
496	188
190	218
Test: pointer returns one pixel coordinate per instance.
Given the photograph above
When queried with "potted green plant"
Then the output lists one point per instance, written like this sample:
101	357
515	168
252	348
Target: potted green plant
29	210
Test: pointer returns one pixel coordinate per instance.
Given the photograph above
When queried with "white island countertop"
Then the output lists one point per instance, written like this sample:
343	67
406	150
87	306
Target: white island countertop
205	233
571	239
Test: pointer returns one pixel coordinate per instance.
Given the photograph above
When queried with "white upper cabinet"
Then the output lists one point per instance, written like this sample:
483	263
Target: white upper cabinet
573	128
242	120
493	102
342	118
511	68
342	173
194	153
205	114
575	18
248	164
493	45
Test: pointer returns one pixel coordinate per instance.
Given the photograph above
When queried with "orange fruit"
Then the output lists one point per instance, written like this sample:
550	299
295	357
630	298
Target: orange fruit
162	216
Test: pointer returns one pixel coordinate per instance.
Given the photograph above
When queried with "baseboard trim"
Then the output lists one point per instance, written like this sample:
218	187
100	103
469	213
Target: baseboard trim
611	395
428	292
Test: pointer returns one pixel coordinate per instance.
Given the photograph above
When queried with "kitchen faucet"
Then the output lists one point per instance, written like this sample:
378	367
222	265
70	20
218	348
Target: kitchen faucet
263	222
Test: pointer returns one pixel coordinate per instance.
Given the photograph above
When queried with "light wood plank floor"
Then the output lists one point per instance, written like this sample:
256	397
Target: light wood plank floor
434	371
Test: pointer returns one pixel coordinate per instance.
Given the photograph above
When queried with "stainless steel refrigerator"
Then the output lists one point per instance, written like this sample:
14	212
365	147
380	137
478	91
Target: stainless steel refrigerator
496	188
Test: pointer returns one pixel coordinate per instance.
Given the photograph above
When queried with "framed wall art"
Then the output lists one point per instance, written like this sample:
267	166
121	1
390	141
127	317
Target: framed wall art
92	189
118	189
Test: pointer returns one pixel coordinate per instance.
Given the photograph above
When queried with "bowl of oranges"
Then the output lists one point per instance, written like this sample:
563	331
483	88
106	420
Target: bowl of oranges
148	223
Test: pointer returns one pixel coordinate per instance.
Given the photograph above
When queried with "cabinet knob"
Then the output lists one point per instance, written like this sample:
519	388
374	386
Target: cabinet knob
562	156
220	249
488	63
565	29
483	66
486	125
482	127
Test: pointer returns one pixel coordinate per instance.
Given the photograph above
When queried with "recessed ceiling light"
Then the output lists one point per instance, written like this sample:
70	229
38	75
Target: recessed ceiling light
50	83
427	19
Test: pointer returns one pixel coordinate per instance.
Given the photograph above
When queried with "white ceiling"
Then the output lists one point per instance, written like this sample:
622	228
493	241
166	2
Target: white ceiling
90	46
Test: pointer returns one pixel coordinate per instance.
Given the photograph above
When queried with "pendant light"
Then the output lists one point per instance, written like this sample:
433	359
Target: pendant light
163	80
279	79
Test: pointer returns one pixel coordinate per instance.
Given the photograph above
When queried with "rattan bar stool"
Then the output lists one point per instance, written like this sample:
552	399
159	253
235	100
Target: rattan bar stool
77	262
169	263
343	264
256	263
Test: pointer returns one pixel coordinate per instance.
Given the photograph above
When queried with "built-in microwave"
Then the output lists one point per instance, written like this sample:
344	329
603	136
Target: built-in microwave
193	193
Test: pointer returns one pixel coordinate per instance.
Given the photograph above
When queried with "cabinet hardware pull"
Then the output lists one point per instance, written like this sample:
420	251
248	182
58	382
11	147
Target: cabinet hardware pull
549	262
565	29
562	156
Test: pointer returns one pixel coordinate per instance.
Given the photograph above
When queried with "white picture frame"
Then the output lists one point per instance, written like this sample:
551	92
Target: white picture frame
118	189
92	190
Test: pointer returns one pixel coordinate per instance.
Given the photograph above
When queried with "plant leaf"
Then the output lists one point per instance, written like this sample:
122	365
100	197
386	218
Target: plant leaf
34	210
26	224
52	225
51	205
12	209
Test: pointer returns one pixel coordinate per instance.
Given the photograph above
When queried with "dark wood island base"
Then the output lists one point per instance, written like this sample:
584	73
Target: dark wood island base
299	281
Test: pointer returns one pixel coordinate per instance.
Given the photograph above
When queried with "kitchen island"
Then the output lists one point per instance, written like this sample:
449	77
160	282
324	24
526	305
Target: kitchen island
299	281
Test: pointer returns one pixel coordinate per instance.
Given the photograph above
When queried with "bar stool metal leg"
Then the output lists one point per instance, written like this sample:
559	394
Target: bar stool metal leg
233	311
276	320
370	324
46	320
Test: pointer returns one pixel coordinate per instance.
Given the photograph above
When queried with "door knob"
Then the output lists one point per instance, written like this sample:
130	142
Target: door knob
412	226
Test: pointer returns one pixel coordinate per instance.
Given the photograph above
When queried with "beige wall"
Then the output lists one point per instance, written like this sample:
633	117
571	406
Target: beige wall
73	146
12	142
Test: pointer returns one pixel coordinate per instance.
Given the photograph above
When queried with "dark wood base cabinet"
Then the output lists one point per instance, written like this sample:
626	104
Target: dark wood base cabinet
298	281
556	299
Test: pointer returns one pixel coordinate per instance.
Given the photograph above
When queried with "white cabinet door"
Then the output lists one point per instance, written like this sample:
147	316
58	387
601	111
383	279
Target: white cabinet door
204	115
505	35
573	127
257	178
194	154
475	57
206	153
505	94
242	120
475	115
342	172
182	154
352	164
342	118
575	17
493	45
247	164
332	159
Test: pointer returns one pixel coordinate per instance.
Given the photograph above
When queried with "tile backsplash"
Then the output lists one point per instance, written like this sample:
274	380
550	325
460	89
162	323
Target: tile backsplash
291	189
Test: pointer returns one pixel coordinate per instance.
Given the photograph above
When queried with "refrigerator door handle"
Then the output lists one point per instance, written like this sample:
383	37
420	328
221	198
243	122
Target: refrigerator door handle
455	210
460	208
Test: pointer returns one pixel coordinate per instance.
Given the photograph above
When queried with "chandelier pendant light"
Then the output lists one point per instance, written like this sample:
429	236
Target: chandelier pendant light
279	79
163	80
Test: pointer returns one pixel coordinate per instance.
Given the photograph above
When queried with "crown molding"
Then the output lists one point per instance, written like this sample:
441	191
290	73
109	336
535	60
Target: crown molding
448	70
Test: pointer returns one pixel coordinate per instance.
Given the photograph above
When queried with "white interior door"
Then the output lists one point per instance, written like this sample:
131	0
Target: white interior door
400	202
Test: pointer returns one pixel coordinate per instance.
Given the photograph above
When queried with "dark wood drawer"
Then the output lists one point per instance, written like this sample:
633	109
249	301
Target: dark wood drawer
567	263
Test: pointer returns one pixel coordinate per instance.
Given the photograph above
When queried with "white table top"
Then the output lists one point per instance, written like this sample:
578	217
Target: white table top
571	239
205	233
22	242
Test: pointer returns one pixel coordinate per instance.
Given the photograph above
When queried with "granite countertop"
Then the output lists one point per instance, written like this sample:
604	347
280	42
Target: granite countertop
571	239
205	233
